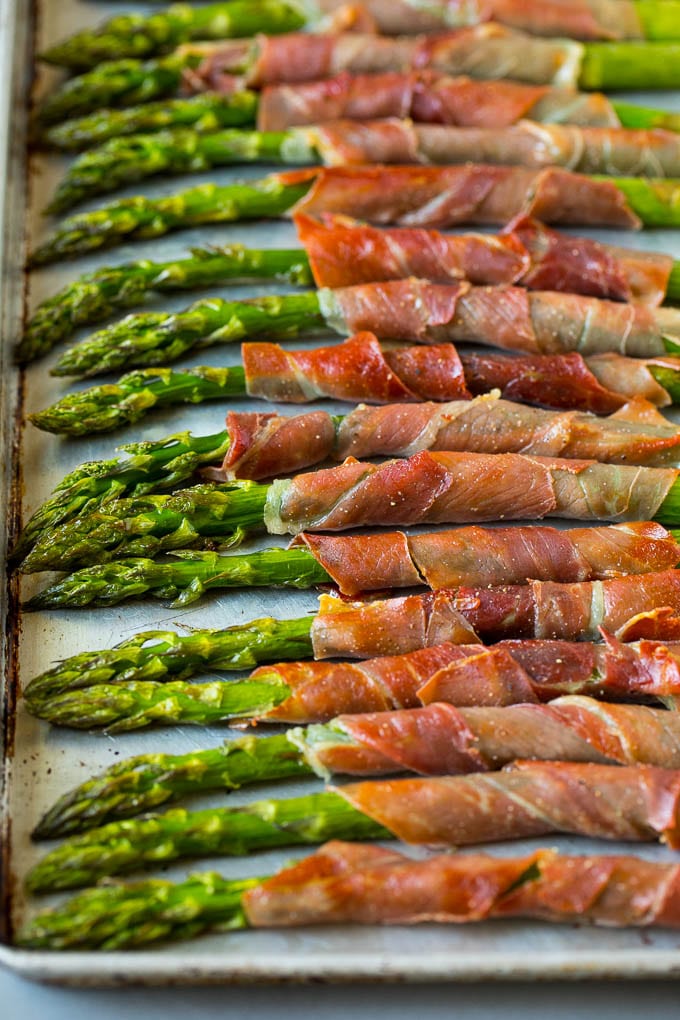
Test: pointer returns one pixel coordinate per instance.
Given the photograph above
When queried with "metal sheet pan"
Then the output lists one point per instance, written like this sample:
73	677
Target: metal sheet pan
39	762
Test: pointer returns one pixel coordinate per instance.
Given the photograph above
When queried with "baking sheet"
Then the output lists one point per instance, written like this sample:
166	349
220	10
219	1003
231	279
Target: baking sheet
41	762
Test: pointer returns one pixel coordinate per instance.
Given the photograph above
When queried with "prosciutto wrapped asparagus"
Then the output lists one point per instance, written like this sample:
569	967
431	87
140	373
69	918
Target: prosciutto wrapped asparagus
613	151
538	322
361	369
526	799
466	675
349	883
262	445
434	740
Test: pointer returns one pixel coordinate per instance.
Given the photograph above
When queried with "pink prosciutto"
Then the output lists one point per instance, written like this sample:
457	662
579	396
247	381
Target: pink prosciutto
430	98
343	253
471	675
264	444
349	883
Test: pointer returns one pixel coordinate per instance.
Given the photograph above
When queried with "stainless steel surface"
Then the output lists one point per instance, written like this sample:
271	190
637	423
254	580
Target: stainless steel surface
42	762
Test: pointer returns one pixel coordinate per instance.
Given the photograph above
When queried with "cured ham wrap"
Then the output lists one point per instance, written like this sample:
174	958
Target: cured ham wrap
357	884
490	556
264	444
596	150
429	98
583	19
513	318
632	607
486	52
343	252
348	884
440	739
439	488
361	369
471	675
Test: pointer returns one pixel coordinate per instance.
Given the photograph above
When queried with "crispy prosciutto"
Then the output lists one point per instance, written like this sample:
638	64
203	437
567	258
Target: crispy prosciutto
429	98
347	883
263	444
524	800
463	488
633	607
575	19
431	196
361	369
482	556
513	318
343	253
613	150
441	740
486	51
471	675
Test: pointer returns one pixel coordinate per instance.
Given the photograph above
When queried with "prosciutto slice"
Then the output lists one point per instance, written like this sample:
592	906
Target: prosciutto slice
345	883
430	98
614	150
440	739
486	51
457	488
583	19
264	444
513	318
357	369
470	675
542	609
343	253
525	800
602	383
483	556
420	196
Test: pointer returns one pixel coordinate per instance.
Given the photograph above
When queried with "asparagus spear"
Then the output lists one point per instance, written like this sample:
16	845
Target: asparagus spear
162	656
124	161
146	781
210	111
207	111
154	338
94	296
119	708
184	581
139	35
115	405
126	845
655	202
122	82
147	467
125	916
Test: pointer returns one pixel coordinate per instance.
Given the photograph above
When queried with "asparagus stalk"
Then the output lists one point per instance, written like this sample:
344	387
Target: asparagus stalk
604	66
142	217
138	35
207	111
119	708
147	467
210	111
163	656
154	337
146	781
96	295
115	405
124	161
123	846
184	581
655	202
127	916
